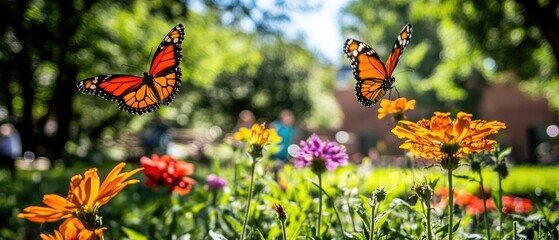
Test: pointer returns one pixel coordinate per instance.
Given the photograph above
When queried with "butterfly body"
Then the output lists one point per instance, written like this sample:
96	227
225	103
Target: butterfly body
141	94
374	78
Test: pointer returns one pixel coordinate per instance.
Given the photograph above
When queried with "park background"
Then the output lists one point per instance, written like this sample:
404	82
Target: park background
495	59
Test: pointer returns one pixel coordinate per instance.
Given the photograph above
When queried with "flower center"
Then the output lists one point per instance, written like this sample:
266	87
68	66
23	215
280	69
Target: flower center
89	217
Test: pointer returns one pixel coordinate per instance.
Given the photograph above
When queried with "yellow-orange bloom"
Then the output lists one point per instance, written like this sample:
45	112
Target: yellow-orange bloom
72	229
258	138
397	108
258	134
441	137
84	198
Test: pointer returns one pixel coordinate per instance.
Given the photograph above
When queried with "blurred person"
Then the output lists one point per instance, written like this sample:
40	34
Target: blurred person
155	137
10	147
246	119
286	129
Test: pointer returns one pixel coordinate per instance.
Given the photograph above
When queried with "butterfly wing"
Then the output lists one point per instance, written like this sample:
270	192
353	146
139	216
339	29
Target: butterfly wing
129	91
373	77
398	48
138	95
368	70
165	65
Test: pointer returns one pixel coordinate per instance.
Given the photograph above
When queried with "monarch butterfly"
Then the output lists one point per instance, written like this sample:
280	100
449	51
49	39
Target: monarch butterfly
138	95
373	77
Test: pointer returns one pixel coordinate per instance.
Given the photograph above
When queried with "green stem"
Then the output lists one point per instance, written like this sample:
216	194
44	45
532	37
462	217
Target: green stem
249	198
428	219
214	197
334	207
235	177
450	204
319	217
372	226
283	231
484	206
351	215
500	200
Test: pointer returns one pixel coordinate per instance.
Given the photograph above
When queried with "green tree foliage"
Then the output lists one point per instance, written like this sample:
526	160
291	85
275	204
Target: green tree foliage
455	42
281	79
50	45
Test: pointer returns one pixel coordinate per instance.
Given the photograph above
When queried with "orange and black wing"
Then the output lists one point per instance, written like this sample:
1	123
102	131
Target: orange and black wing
369	71
373	77
129	91
138	95
398	49
165	65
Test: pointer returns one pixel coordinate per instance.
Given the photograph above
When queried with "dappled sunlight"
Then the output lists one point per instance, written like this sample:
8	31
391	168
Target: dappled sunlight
432	120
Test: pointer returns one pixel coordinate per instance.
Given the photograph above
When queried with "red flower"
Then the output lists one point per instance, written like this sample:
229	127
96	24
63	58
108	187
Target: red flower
516	205
462	197
475	206
440	199
168	171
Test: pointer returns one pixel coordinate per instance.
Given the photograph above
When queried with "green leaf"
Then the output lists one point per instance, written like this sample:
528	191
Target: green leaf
133	234
216	236
444	229
466	177
504	153
359	236
260	234
379	221
233	223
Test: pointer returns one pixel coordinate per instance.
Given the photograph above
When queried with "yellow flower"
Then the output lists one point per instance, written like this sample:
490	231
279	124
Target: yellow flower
258	138
84	198
444	139
258	134
72	229
397	108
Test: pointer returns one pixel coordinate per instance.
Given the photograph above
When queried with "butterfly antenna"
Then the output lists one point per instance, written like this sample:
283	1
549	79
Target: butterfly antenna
403	71
131	67
149	56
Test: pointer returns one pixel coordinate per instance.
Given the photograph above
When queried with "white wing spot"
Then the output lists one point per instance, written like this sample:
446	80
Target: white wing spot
93	87
355	53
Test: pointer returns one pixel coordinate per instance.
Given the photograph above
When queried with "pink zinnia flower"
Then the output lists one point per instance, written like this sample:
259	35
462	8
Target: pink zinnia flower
215	182
322	155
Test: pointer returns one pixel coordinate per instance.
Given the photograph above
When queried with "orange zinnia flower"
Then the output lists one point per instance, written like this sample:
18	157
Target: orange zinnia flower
397	108
84	198
74	229
444	139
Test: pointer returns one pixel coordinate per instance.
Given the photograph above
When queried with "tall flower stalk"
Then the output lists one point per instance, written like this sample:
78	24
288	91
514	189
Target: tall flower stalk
476	162
257	138
499	157
424	191
378	196
282	216
446	140
321	156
